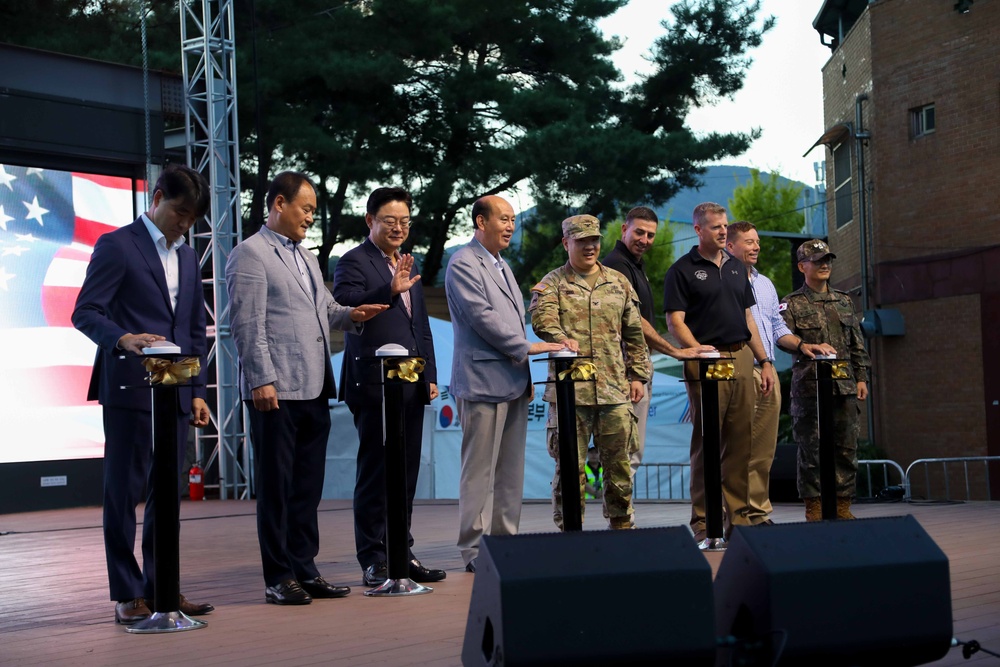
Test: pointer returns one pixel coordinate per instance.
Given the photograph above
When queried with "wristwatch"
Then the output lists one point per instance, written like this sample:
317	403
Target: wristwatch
769	360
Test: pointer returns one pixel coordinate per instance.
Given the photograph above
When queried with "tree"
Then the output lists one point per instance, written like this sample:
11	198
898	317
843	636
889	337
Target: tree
459	98
107	30
638	149
771	205
318	95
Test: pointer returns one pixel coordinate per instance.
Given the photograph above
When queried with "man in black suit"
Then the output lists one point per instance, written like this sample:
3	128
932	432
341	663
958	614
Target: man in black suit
142	285
376	272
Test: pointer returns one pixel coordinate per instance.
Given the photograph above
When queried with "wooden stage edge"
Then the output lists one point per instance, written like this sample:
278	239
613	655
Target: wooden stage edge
54	606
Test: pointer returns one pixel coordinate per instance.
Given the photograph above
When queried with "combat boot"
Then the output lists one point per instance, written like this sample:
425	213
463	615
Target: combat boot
814	510
621	523
844	508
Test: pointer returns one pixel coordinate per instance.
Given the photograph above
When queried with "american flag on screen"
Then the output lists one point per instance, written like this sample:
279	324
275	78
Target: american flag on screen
49	223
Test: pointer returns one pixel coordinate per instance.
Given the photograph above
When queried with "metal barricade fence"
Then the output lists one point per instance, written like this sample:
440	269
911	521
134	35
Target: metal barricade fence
662	481
669	481
945	476
869	488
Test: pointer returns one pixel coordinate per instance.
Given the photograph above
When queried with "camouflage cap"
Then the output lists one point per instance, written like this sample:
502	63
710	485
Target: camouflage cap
813	250
581	227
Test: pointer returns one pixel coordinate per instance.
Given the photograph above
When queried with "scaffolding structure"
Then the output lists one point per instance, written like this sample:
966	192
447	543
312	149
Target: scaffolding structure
208	54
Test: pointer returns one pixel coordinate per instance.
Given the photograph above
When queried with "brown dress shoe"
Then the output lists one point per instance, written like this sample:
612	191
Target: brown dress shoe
128	612
192	609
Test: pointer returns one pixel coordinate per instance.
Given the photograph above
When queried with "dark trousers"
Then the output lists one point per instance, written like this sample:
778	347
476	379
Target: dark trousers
128	447
290	450
369	488
846	429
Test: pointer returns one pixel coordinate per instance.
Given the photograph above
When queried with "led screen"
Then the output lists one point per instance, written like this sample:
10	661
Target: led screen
49	222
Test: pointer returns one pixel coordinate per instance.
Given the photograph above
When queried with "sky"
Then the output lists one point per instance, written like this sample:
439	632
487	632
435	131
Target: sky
782	92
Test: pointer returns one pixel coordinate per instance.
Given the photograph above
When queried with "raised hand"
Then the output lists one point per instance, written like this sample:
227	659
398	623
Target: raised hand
401	280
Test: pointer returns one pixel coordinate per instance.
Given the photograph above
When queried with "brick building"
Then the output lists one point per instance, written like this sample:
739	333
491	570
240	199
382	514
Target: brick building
912	116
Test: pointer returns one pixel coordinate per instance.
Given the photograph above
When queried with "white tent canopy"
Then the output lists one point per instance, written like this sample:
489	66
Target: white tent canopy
667	440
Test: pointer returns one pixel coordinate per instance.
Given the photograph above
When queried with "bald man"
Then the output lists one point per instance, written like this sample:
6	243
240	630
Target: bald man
489	378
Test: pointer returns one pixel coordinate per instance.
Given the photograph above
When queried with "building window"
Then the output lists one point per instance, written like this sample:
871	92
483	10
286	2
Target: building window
921	120
843	202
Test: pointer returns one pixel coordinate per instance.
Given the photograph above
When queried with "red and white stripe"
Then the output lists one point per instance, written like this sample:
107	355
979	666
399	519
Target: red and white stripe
47	389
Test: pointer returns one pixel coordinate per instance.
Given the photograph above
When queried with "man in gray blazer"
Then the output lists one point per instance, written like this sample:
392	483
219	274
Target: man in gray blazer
281	314
489	378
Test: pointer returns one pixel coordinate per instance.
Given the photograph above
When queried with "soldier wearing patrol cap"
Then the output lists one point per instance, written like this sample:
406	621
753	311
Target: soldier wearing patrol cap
817	313
593	310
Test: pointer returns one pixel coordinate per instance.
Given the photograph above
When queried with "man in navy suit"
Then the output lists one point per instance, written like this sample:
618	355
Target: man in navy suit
376	272
143	285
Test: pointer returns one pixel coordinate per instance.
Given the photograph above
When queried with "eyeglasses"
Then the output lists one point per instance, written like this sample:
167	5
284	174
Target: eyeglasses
403	223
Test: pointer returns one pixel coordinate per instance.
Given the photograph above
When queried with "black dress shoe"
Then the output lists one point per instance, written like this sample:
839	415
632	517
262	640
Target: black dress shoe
193	609
321	588
422	575
376	574
471	565
287	592
128	612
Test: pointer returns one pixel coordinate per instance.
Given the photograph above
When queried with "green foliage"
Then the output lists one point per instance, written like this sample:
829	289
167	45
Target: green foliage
770	205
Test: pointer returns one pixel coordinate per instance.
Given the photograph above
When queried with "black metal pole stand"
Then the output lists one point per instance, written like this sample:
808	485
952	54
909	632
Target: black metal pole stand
396	531
711	459
824	409
166	616
569	458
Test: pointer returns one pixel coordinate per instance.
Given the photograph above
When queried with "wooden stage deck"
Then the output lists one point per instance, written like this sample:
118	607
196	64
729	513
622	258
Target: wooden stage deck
54	608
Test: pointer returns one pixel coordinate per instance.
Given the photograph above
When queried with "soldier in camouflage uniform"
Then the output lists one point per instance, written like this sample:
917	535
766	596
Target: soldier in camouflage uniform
594	310
817	313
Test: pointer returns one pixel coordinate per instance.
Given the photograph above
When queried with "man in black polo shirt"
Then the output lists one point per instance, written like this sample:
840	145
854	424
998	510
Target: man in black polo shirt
638	232
707	296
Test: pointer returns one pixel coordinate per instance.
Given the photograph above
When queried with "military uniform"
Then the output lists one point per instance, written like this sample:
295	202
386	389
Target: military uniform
604	320
826	317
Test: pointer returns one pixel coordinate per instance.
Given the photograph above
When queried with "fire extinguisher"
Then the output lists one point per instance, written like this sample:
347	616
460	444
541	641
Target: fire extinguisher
196	487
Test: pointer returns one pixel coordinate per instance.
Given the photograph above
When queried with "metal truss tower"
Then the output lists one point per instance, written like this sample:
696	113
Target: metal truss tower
208	52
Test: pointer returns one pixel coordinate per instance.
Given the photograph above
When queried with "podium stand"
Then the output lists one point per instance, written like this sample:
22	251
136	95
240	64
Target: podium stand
569	458
397	547
711	371
827	370
166	616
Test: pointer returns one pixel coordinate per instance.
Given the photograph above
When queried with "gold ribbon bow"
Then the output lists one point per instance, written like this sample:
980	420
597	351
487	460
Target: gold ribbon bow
580	370
164	371
409	369
838	370
720	370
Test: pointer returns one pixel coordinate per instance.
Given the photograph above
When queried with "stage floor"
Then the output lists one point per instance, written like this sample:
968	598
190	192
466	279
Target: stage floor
54	607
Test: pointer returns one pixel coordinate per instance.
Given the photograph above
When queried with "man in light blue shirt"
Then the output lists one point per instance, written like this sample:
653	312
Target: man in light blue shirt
743	242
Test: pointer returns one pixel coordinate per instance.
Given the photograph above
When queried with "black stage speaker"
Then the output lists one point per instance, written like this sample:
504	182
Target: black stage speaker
863	592
634	597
